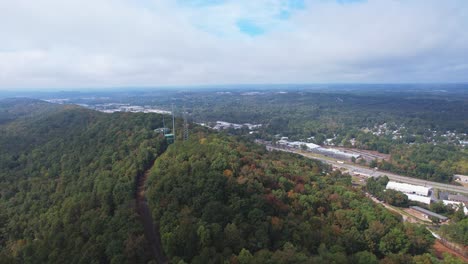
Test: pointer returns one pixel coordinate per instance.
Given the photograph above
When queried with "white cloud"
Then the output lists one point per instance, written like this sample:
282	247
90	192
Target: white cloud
106	43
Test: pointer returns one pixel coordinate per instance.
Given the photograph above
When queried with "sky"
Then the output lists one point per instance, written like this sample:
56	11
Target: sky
57	44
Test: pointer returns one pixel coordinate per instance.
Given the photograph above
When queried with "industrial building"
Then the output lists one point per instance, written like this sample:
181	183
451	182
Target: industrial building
409	188
296	144
428	213
414	192
335	153
458	198
330	152
419	198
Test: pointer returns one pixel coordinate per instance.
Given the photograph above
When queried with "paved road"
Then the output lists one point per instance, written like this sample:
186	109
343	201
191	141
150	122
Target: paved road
373	173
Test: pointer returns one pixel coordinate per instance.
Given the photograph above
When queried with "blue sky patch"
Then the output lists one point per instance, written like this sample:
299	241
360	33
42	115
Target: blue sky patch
289	7
284	14
250	28
201	3
296	4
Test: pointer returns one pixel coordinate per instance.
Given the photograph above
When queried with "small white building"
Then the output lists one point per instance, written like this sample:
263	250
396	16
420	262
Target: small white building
409	188
460	178
455	205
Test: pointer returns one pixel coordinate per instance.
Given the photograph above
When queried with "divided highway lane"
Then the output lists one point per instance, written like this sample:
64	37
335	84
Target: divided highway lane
375	173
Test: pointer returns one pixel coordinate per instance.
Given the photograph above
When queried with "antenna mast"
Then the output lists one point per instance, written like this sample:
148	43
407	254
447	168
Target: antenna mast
173	122
186	132
186	129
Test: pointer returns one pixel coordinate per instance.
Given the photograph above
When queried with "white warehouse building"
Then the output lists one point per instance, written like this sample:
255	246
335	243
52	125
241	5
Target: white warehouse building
419	198
415	193
409	188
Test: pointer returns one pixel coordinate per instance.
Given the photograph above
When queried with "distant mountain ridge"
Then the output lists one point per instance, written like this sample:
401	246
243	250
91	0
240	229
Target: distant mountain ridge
13	108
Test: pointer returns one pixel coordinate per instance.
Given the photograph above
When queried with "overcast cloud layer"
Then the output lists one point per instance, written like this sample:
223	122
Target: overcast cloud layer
118	43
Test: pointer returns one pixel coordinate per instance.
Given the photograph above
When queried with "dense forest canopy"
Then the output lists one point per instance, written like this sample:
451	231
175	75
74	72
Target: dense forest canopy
67	184
219	199
13	108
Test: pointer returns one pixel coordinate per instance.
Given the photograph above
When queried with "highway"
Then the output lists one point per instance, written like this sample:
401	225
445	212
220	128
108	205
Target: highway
367	172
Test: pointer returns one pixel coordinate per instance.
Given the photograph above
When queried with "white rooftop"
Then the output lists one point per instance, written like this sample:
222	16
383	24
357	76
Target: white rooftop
409	188
419	198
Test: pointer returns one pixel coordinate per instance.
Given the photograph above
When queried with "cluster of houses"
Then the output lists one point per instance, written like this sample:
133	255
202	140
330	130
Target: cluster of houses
434	136
423	194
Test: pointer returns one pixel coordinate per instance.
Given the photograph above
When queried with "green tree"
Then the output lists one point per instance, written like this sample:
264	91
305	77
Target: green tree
232	237
459	213
394	241
420	239
245	257
396	198
365	257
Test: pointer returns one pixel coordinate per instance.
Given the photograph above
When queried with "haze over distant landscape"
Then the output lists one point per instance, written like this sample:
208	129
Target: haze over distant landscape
97	44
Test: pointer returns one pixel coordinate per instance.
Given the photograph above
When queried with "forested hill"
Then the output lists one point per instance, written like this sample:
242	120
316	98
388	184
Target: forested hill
222	200
14	108
67	183
67	188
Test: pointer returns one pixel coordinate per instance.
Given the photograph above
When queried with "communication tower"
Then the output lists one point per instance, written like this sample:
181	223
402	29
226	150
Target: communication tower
186	130
173	122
